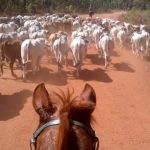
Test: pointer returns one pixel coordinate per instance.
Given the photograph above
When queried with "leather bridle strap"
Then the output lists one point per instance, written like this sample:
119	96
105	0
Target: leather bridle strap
53	122
89	130
77	123
56	121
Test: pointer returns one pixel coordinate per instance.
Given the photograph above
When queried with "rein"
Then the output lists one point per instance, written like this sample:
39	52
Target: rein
56	121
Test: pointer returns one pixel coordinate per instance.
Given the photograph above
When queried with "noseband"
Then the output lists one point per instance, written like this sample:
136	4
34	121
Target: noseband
56	121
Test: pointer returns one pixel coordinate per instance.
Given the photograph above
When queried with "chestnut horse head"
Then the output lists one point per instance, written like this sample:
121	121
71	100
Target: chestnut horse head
65	122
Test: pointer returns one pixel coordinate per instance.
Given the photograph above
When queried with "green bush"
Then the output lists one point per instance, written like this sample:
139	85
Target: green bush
31	8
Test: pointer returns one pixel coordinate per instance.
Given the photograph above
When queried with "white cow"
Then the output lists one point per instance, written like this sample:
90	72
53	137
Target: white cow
74	34
146	37
60	49
6	28
23	35
22	28
96	35
121	36
4	37
33	29
79	50
39	34
128	27
31	23
106	43
76	24
136	41
35	48
51	40
114	31
139	42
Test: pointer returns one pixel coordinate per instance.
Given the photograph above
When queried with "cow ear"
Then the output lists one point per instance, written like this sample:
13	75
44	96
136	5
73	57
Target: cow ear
42	102
88	94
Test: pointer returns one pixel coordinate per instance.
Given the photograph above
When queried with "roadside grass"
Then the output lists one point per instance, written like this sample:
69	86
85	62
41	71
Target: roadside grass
137	17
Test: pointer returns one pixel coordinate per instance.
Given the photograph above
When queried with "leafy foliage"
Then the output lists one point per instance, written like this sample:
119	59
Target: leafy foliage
35	6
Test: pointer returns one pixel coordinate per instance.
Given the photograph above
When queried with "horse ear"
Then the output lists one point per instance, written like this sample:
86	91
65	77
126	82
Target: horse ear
88	94
42	102
83	106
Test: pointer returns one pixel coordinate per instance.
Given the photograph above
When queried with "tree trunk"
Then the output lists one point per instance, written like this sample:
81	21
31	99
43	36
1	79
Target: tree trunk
24	5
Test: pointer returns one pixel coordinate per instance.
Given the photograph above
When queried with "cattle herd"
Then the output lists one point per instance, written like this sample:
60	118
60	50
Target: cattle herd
28	38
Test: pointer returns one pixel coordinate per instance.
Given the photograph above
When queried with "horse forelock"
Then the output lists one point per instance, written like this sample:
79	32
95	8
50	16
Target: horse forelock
62	136
65	99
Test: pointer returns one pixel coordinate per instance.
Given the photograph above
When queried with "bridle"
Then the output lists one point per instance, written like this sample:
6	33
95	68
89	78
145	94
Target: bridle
56	121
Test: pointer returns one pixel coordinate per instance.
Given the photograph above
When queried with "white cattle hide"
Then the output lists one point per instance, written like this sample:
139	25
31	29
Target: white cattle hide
60	49
79	50
35	48
106	43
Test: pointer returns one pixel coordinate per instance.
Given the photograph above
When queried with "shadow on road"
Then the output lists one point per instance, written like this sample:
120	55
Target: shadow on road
95	59
10	105
96	75
123	67
147	58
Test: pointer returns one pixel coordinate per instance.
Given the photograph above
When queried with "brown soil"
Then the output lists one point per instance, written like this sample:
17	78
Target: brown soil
123	100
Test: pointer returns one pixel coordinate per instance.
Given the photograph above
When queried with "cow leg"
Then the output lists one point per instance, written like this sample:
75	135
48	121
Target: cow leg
141	54
133	48
78	69
142	57
59	67
1	68
66	59
19	63
38	68
121	43
11	68
96	43
83	56
75	59
59	62
100	53
105	59
34	65
77	73
147	45
106	62
24	71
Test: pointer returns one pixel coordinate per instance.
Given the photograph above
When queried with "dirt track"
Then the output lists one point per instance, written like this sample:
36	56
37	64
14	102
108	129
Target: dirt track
123	100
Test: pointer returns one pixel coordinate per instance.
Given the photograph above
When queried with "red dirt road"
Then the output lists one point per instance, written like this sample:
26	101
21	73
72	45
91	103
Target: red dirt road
123	100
